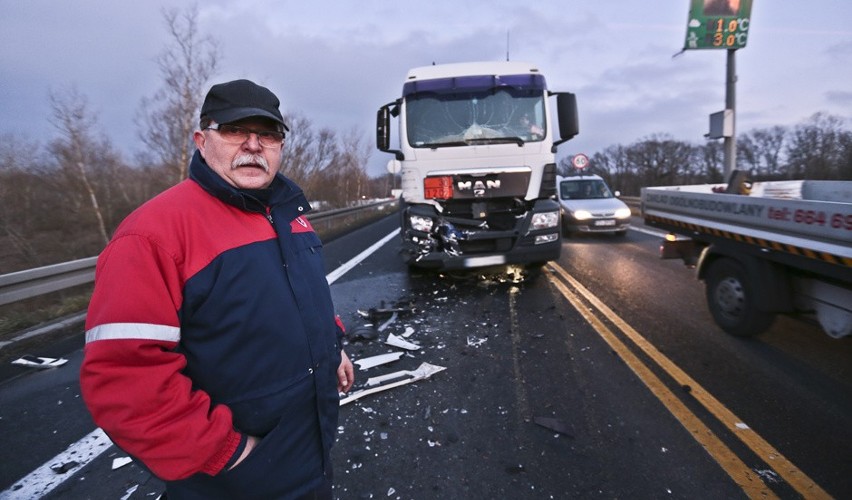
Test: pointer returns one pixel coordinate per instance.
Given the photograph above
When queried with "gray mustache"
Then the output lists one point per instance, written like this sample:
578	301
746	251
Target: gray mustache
250	160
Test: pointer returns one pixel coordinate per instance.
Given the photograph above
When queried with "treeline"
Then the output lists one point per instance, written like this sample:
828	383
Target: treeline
820	148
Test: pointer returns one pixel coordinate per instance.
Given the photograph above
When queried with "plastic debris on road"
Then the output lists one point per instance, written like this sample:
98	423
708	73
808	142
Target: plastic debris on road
380	359
401	343
39	362
424	371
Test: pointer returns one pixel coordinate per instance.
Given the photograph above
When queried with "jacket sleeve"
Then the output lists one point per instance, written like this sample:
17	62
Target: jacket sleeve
131	378
341	329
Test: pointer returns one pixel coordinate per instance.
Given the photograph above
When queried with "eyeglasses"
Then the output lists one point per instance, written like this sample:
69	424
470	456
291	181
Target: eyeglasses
234	134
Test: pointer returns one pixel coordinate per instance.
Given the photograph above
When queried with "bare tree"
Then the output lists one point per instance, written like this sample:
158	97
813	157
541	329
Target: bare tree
329	168
308	156
660	160
711	161
355	153
818	149
77	150
299	157
20	191
61	201
170	116
845	170
760	151
616	169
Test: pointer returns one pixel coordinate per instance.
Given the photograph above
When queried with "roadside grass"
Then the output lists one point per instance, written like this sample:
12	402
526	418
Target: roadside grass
24	314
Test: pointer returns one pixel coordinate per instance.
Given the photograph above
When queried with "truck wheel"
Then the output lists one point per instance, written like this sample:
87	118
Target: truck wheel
731	300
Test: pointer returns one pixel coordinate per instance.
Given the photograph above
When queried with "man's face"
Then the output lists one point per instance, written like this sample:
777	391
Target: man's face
244	165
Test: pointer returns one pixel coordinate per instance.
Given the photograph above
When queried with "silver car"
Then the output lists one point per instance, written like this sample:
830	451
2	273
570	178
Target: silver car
588	205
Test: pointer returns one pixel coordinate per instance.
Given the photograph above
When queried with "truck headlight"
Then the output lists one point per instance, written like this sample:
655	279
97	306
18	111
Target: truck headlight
622	213
582	215
545	220
420	223
546	238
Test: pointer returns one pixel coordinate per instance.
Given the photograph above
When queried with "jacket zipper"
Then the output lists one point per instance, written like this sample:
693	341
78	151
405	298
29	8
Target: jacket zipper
268	215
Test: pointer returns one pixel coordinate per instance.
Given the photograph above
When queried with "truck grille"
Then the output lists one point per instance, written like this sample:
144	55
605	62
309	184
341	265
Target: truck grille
500	214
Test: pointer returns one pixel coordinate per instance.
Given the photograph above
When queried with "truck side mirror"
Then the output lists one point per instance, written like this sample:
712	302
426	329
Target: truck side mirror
383	129
566	107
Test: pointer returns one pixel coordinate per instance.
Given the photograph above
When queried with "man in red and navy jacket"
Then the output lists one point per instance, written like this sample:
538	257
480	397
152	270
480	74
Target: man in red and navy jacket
213	353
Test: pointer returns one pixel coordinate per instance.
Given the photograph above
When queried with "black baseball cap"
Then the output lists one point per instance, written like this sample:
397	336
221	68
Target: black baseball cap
238	99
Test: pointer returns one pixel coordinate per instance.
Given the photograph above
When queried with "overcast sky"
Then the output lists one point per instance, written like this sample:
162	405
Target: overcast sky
337	62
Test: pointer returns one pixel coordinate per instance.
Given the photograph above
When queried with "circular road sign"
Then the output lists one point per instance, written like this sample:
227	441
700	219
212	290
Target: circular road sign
580	161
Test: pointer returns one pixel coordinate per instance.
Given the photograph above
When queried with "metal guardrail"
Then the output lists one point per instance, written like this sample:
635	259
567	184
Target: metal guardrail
633	202
330	223
33	282
39	281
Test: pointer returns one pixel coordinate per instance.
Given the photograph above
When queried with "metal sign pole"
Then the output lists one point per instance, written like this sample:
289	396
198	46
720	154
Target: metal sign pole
731	103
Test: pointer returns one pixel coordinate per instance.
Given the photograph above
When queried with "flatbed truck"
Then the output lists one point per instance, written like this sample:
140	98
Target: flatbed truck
762	248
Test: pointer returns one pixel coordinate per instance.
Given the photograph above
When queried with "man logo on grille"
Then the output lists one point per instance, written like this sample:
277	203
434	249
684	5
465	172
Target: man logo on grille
478	187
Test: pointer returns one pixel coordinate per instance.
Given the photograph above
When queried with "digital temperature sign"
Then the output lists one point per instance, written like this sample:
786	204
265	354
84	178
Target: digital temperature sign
718	24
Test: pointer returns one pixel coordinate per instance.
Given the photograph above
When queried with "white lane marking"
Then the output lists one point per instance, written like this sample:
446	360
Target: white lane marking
46	329
354	261
44	479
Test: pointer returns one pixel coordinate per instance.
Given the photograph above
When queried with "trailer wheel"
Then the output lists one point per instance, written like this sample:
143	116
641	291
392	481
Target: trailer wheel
731	300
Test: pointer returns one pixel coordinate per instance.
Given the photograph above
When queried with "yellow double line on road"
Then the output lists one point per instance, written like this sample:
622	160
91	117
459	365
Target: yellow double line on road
743	476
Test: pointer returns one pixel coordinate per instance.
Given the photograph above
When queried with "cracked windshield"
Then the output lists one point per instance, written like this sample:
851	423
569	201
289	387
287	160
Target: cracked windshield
491	116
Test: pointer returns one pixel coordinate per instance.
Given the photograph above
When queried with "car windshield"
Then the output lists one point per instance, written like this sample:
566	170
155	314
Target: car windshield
488	116
584	190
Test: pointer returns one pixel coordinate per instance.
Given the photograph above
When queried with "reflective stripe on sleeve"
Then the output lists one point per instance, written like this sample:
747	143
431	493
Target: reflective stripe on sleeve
116	331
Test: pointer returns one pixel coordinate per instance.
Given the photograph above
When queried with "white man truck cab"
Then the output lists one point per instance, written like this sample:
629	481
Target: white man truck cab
477	166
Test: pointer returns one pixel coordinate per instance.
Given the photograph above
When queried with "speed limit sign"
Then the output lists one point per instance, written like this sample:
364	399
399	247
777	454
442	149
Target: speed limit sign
580	161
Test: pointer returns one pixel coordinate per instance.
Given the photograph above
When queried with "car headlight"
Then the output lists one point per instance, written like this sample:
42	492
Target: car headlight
622	213
420	223
582	214
545	220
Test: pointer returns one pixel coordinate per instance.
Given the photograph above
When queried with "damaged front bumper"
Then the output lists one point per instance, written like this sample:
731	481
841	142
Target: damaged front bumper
439	241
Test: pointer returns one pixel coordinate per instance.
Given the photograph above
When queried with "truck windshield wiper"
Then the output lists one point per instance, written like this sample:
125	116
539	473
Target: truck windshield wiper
496	140
468	142
436	145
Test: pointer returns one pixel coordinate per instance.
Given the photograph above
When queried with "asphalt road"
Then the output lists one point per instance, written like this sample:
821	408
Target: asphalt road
604	376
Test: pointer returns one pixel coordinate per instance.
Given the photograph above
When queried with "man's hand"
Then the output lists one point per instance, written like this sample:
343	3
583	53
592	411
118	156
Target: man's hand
251	442
345	373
